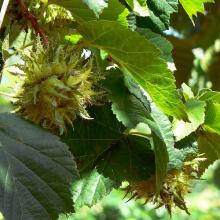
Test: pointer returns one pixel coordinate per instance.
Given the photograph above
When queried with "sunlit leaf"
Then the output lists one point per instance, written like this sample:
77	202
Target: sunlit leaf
192	7
91	188
212	119
140	58
196	113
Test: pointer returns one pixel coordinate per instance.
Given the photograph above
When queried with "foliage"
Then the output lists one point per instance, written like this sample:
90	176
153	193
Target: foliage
31	157
193	7
203	204
99	74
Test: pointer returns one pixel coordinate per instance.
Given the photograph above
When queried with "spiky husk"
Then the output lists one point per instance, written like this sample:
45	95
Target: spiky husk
58	85
176	186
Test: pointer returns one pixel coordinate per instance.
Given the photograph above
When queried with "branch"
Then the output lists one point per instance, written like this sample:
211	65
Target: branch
3	11
28	16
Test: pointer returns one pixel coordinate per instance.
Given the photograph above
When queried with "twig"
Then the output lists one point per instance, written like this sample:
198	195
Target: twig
26	14
7	94
3	11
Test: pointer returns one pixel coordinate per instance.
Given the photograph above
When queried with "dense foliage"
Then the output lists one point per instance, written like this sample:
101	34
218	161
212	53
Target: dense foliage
96	102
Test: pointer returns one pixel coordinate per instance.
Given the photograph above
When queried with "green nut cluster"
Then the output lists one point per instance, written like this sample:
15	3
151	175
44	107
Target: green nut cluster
59	84
175	187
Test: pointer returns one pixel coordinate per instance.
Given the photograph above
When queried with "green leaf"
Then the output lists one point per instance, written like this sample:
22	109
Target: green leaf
167	157
90	138
139	7
78	8
88	10
151	73
16	39
141	2
209	95
134	109
37	171
159	123
187	92
130	110
192	7
5	45
96	5
216	175
141	130
160	42
162	125
212	119
161	161
74	39
90	189
101	143
188	146
115	12
127	107
128	159
209	145
196	113
160	11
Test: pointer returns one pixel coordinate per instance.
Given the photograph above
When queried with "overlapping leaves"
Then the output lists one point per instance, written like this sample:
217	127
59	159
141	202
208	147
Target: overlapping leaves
102	143
132	107
203	111
87	10
141	59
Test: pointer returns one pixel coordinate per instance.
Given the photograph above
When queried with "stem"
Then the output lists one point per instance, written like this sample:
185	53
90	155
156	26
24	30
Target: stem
7	94
3	11
27	15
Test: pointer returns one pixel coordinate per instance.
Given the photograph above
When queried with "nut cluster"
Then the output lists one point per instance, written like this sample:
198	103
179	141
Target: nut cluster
58	84
175	187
